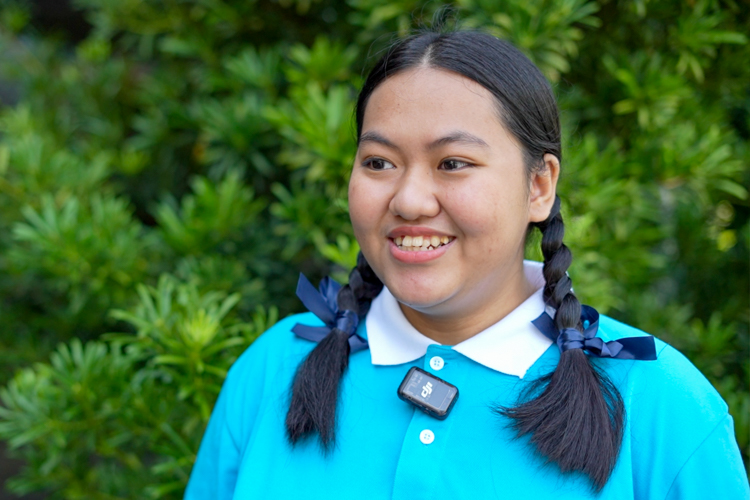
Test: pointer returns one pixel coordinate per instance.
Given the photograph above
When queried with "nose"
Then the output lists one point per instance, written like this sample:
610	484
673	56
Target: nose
415	196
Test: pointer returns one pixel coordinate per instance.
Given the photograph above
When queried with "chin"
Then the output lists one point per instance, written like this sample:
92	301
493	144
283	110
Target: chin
420	297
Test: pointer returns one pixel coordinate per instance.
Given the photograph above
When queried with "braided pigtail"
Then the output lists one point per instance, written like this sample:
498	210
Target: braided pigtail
315	387
576	420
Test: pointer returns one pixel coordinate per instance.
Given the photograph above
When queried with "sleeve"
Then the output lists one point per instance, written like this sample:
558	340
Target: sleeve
713	470
681	436
215	471
250	381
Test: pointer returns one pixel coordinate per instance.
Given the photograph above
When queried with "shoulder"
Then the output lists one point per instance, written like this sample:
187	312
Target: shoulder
262	374
670	380
275	348
270	361
674	415
280	337
671	377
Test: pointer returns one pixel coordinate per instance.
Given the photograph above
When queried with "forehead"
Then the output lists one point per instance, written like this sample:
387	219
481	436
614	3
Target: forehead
427	101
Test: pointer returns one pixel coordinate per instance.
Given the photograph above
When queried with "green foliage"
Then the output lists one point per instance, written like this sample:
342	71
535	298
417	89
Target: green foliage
50	411
209	217
34	162
696	38
88	252
123	418
325	62
318	129
168	176
180	331
548	31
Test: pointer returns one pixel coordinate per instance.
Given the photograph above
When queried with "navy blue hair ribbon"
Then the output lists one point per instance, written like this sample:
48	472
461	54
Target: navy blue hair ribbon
641	348
324	305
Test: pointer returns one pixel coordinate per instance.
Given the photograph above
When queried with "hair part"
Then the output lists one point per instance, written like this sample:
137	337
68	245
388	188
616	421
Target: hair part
525	102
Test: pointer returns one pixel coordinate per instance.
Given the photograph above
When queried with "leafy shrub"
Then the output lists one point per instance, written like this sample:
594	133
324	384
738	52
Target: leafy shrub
124	417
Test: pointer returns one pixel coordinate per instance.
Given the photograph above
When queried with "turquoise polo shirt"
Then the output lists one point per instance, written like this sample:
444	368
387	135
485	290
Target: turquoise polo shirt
678	442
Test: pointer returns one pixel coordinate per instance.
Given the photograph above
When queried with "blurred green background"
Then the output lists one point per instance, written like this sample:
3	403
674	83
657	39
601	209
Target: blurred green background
167	168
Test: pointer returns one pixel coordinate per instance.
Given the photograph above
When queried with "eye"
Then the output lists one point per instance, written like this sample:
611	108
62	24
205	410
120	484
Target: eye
377	164
452	165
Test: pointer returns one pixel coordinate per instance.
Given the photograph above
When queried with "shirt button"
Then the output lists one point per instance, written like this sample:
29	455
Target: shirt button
437	363
427	436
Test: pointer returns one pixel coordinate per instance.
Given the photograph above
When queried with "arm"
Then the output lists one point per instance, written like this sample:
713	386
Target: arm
253	378
215	471
682	436
713	470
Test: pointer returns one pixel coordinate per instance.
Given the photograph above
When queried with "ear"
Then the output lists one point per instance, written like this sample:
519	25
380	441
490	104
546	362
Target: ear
542	188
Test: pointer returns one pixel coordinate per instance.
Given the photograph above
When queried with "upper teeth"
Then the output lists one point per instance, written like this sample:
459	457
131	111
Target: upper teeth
412	243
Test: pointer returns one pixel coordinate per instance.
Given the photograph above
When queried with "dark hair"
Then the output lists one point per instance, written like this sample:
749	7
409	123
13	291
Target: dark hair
575	414
316	384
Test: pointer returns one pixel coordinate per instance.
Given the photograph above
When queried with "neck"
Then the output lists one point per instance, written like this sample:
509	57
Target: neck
453	325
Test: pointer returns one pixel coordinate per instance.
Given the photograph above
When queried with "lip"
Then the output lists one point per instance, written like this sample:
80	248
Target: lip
415	231
419	256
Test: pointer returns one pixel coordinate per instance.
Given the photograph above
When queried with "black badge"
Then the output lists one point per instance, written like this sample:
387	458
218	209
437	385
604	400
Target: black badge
430	394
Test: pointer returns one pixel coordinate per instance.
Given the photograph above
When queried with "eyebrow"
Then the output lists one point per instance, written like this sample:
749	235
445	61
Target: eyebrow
378	139
457	137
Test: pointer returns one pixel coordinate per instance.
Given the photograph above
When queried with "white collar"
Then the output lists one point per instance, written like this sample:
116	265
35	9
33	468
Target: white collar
509	346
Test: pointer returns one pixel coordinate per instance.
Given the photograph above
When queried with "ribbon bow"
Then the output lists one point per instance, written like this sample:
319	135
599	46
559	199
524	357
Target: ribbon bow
323	304
641	348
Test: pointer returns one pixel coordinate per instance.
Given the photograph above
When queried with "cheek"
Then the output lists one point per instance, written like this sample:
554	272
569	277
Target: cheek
361	208
489	211
475	212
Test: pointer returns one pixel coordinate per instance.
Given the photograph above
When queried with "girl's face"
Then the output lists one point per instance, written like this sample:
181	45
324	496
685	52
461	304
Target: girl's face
439	196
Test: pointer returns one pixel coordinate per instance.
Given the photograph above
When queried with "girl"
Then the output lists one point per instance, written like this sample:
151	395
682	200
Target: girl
449	367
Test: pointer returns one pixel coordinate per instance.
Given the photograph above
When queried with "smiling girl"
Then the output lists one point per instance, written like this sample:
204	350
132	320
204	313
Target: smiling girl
524	393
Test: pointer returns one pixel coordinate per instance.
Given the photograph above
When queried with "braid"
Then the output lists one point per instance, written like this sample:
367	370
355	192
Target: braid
557	260
576	420
364	285
315	387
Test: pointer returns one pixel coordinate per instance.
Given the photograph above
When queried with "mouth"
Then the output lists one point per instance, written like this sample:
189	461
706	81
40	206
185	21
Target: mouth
423	243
